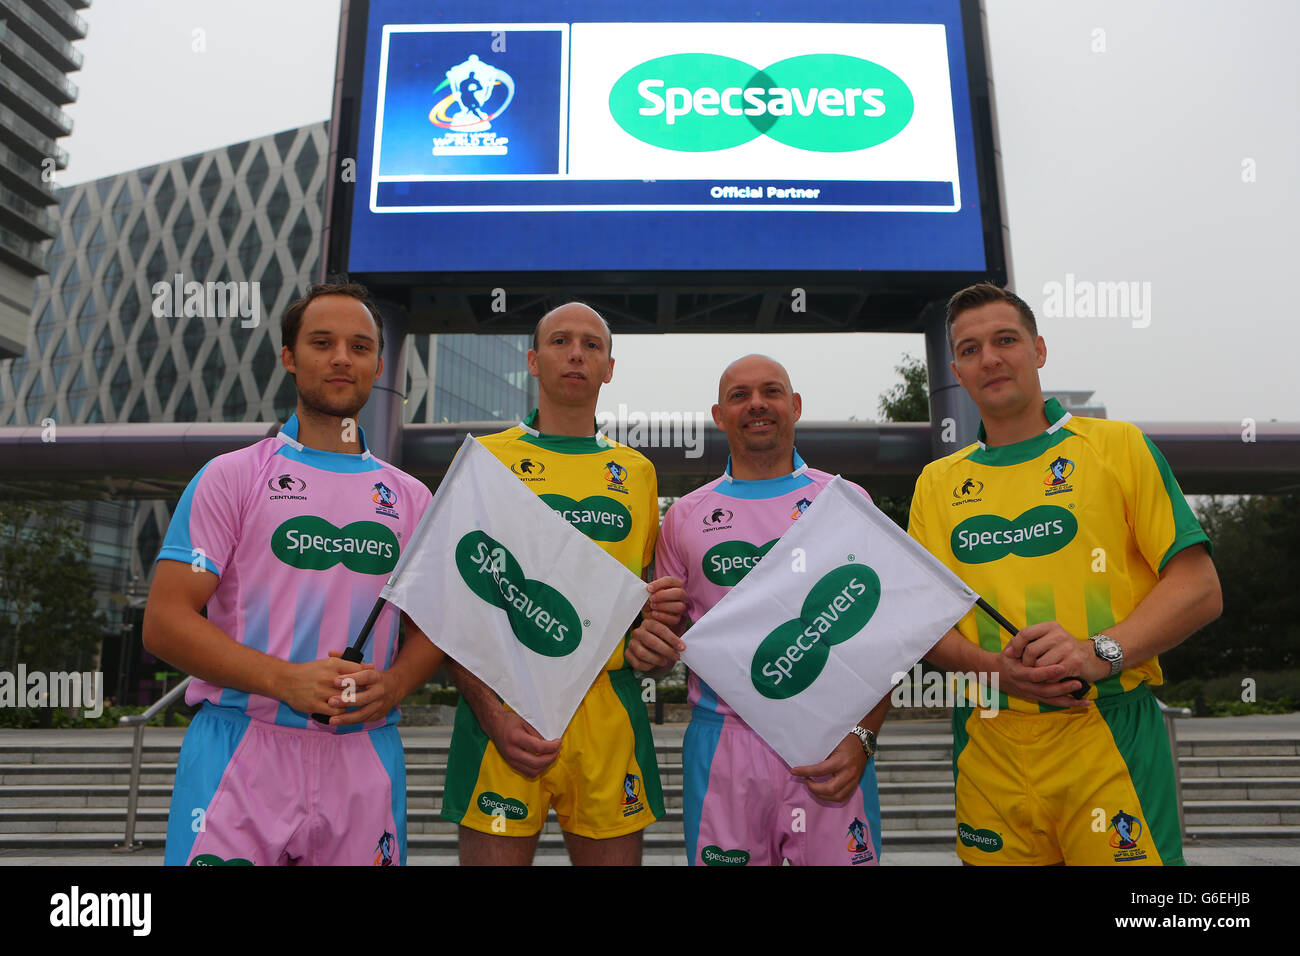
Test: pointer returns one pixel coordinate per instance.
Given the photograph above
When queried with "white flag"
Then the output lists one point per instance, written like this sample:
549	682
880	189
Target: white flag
512	591
806	644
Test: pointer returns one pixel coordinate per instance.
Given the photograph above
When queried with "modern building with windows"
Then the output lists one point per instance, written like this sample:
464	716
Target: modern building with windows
36	55
105	346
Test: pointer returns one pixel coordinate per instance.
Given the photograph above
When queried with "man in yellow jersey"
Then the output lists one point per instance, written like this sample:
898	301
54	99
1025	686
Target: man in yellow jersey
1076	531
601	777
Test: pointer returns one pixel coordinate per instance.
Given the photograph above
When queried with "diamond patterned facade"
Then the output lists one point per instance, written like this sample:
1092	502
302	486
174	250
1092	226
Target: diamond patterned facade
98	352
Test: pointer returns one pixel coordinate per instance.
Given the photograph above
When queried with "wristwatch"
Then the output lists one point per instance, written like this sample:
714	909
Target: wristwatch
1108	649
868	740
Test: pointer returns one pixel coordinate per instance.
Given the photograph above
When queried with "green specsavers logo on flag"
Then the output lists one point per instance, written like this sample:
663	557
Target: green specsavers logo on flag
540	616
512	588
808	640
699	102
836	609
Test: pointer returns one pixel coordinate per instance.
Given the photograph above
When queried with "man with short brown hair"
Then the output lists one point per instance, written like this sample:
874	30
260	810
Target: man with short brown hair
1075	530
287	544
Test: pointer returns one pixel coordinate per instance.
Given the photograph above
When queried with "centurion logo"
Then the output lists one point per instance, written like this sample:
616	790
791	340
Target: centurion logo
540	616
1039	531
313	544
700	102
837	608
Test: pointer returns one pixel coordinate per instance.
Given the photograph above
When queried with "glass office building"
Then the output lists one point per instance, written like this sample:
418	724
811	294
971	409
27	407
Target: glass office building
98	349
36	55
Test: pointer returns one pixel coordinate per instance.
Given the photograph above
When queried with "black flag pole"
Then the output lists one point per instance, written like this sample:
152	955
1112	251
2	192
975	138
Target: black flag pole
356	652
1011	629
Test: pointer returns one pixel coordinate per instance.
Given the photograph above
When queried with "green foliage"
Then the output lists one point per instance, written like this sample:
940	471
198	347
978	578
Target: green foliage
1239	708
47	590
1257	554
1268	685
672	693
431	694
906	401
30	718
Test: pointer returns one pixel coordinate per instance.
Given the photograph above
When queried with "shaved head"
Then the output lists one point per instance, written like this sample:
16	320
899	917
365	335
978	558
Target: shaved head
748	365
569	309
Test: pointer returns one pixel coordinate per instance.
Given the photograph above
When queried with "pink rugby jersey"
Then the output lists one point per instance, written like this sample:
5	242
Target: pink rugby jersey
302	540
712	537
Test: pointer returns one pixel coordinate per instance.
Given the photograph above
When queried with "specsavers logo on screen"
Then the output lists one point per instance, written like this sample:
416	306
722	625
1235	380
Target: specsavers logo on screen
701	102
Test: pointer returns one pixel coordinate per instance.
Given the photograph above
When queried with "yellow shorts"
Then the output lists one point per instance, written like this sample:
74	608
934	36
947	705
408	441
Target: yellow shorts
1086	787
605	782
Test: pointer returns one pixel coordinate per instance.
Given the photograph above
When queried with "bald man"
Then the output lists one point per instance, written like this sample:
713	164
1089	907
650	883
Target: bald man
601	777
741	803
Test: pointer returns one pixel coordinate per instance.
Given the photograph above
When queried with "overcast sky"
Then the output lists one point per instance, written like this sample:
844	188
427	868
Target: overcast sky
1144	142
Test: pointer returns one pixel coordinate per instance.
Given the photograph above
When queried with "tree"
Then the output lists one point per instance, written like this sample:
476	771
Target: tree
47	589
1256	544
907	401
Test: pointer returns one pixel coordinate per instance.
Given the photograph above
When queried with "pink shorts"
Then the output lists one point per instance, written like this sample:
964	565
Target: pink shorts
251	792
742	806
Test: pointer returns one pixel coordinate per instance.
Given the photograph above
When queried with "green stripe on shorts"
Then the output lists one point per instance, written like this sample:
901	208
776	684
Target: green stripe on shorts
628	691
469	742
960	737
1138	729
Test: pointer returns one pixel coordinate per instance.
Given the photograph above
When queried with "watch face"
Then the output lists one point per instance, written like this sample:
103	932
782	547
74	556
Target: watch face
1108	648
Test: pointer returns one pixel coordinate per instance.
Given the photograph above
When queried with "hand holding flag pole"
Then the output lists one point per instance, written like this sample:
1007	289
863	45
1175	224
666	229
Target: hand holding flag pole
1011	629
356	652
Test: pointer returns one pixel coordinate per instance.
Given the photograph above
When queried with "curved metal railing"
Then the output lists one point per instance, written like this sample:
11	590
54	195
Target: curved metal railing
138	721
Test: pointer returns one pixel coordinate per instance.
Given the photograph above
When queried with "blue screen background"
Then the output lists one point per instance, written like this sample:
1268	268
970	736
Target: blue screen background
641	241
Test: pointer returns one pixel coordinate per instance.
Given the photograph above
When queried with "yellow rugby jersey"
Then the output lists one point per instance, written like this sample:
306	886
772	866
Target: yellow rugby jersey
606	490
1072	525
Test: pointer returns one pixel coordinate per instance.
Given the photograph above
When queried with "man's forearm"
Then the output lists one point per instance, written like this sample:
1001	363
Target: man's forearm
955	654
876	717
190	642
1185	599
480	697
415	663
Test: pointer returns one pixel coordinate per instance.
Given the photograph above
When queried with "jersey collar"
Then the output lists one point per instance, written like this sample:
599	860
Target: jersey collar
565	444
1029	449
765	487
325	460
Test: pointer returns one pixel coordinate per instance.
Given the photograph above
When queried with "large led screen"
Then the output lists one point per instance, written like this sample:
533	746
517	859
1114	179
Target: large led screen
639	137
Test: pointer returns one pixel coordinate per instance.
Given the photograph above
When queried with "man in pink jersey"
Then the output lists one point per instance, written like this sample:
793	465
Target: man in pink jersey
287	543
741	802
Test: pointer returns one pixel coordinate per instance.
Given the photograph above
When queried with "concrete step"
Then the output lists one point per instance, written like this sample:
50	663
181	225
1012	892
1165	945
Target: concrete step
73	773
1241	788
1239	766
1282	747
1235	813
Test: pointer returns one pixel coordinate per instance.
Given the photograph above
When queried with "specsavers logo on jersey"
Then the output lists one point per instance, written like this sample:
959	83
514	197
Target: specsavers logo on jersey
700	102
1039	531
598	517
313	544
541	617
727	564
839	606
